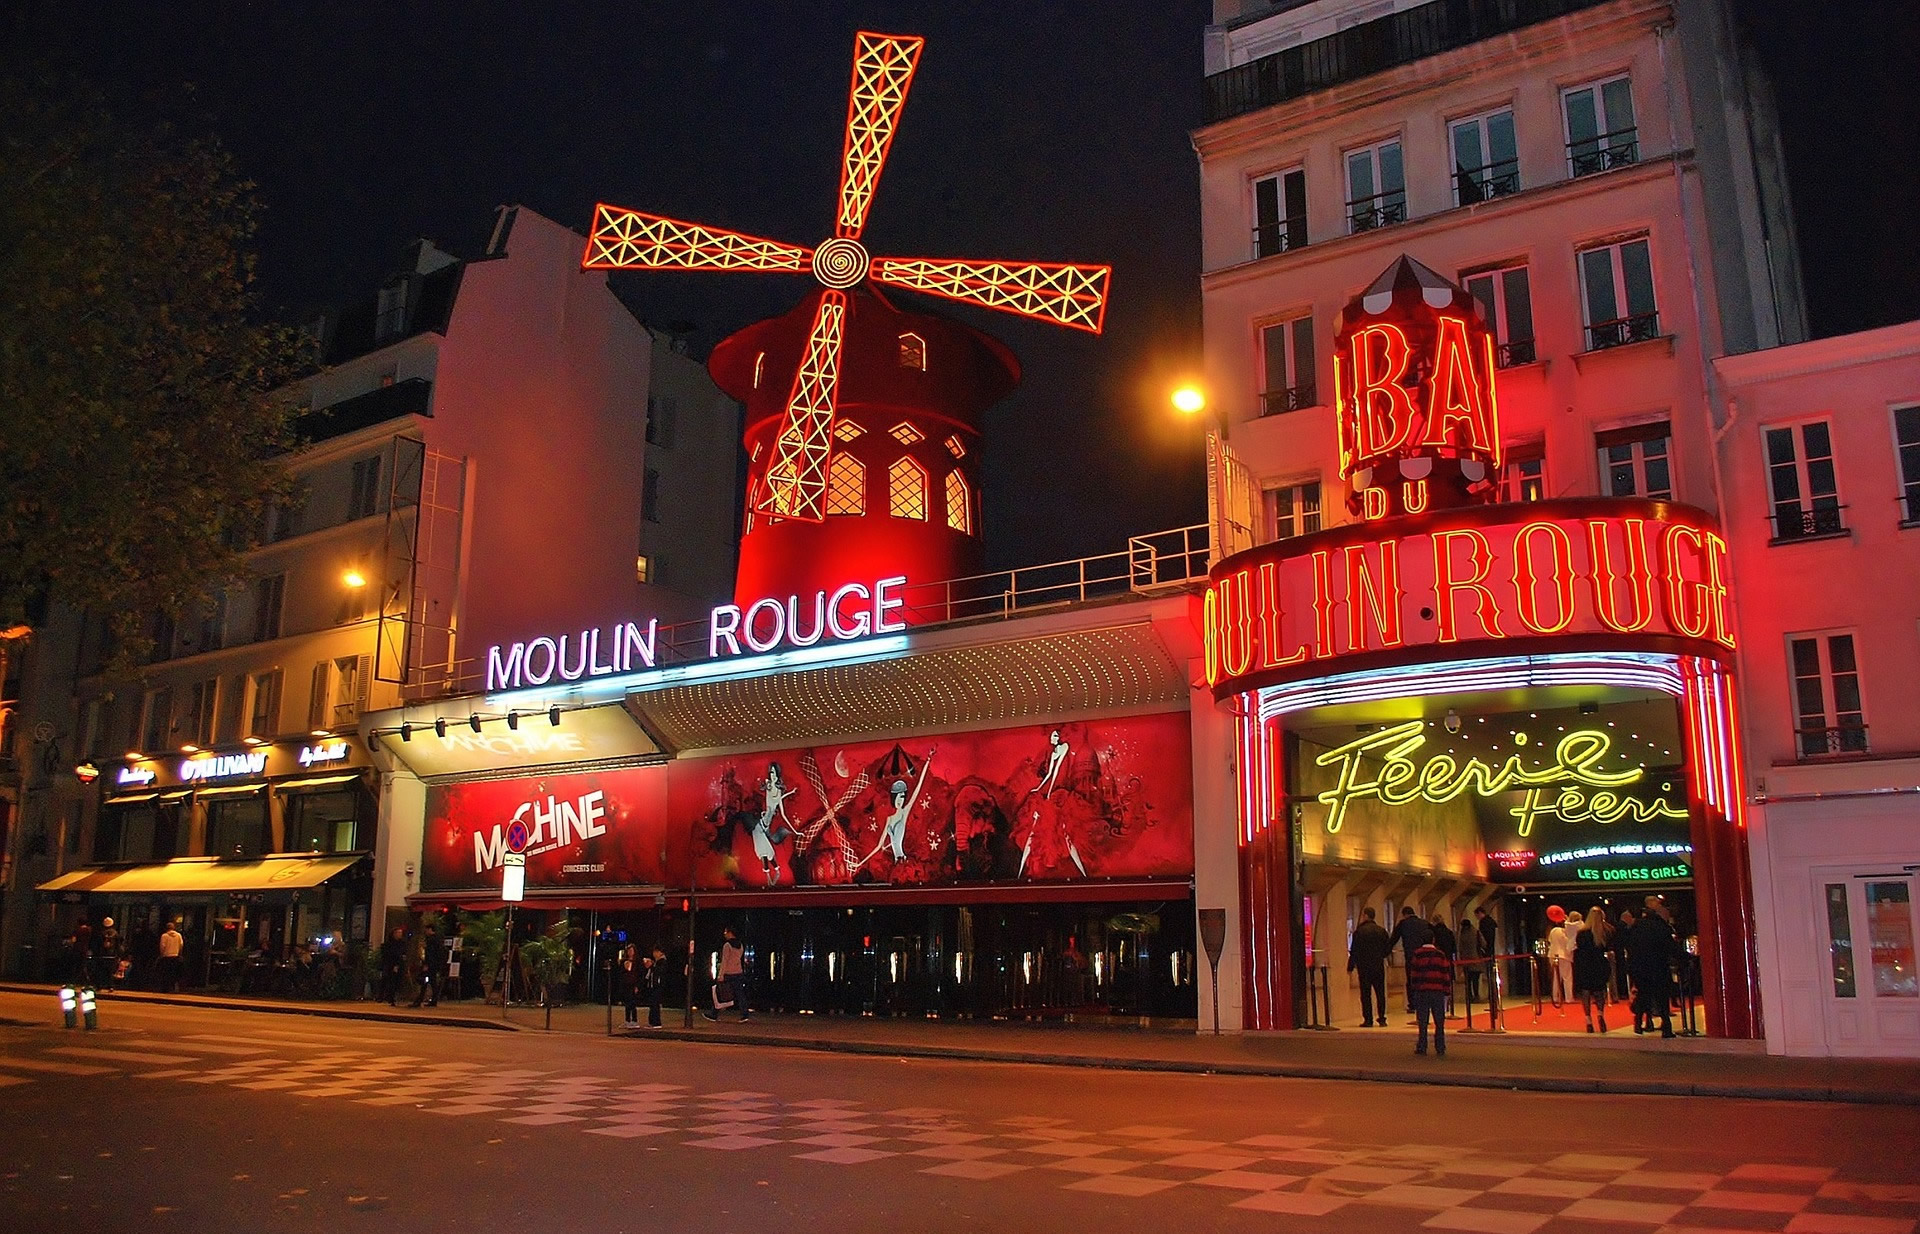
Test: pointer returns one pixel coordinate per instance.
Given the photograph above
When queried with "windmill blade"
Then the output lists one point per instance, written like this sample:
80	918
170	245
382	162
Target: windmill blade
630	240
883	67
1071	295
796	479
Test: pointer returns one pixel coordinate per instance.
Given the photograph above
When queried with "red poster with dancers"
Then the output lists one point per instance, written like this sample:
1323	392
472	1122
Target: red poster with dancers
1047	803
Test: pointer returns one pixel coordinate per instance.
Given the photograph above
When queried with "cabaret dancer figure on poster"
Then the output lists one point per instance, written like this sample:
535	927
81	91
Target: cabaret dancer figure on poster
893	834
1059	750
776	794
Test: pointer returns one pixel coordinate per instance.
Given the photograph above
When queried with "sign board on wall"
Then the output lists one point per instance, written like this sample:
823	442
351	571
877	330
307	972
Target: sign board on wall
1101	799
1613	572
584	735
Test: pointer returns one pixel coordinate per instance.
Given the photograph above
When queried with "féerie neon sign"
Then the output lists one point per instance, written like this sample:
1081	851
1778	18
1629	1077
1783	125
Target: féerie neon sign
1573	787
843	614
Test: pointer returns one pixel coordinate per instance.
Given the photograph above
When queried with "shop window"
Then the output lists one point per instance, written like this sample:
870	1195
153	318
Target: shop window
1601	133
237	826
156	720
203	702
1616	293
959	504
1507	300
263	716
1280	213
846	430
1840	942
906	434
269	595
363	498
913	352
1634	461
1525	477
1286	353
1801	481
1292	510
1376	187
1828	715
907	490
846	485
1486	161
323	822
1906	438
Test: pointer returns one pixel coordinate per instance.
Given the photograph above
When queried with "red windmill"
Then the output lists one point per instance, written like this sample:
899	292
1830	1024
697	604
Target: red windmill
868	465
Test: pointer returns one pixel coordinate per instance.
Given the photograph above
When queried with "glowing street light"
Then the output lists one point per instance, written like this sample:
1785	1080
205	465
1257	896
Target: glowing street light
1189	400
353	578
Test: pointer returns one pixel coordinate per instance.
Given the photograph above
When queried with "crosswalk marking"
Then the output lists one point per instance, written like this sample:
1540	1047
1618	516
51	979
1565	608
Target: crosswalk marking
47	1064
121	1056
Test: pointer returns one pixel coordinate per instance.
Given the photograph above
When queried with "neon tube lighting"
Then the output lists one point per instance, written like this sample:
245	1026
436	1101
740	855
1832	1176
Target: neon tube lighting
887	648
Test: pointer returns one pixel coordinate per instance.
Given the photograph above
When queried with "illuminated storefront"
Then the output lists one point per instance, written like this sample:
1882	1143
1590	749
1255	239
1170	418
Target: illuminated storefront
1451	702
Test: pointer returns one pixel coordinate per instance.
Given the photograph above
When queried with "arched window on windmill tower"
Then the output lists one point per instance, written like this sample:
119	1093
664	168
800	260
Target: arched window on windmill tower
913	352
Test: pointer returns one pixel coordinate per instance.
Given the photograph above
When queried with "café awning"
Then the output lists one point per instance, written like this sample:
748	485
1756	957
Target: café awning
189	875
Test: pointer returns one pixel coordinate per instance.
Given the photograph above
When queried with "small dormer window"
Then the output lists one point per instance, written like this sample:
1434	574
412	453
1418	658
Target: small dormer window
913	352
390	315
906	434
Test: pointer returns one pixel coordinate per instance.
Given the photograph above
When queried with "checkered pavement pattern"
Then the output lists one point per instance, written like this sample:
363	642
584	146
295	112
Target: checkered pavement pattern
1299	1176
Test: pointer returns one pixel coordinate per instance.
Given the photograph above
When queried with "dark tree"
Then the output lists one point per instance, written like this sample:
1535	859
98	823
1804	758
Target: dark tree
138	425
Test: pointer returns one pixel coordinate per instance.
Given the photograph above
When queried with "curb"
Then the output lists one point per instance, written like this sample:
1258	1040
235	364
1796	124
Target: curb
1309	1071
343	1012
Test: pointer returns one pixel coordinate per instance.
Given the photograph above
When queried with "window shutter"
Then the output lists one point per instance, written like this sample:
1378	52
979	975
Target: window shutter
363	678
317	703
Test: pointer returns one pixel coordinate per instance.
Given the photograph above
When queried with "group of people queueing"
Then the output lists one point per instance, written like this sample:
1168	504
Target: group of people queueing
1580	952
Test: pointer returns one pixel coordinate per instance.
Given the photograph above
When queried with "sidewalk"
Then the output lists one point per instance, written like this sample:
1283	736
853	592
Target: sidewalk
1619	1063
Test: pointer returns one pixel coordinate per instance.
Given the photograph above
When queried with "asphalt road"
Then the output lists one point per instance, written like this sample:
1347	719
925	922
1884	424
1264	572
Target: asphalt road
212	1120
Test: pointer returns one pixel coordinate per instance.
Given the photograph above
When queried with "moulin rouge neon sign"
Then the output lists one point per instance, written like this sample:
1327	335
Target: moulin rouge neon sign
1617	570
843	614
1572	787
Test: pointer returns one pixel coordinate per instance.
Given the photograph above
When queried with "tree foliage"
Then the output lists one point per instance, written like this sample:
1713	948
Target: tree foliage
138	425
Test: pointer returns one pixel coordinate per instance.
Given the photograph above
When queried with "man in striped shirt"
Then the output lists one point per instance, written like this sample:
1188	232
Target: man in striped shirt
1429	981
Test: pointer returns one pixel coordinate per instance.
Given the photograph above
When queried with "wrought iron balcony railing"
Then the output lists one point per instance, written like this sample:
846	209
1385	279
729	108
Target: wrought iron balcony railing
1379	210
1515	353
1372	47
1590	155
1500	179
1794	522
1282	237
1279	402
1828	742
1623	330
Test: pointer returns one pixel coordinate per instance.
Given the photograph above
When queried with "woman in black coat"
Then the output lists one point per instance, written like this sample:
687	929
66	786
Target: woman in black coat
628	976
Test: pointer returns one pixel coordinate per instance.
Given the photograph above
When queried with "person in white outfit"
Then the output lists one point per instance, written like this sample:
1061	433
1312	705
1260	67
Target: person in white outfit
1559	965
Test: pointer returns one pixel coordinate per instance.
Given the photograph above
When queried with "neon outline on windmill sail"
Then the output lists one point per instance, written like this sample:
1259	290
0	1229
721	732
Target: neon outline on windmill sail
795	484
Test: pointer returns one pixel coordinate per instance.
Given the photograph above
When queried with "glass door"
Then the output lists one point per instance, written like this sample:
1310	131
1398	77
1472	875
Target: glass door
1872	984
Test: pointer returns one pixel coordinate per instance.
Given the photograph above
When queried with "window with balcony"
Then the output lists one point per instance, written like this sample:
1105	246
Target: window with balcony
1828	716
1616	293
1286	355
1376	187
203	704
1292	510
363	497
1802	482
339	690
1507	299
1906	444
156	720
269	594
1280	213
1486	160
1600	127
1525	474
263	713
1634	461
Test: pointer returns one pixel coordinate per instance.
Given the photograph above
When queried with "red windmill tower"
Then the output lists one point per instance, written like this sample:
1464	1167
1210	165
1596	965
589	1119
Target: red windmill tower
863	421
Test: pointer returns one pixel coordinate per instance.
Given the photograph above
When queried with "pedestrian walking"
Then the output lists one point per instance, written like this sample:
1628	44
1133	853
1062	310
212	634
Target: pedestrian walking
171	943
731	989
629	975
1411	933
433	955
656	983
1429	981
393	966
1650	955
1592	973
1367	959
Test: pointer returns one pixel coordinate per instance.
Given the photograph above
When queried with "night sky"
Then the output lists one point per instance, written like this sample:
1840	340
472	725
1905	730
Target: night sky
1041	131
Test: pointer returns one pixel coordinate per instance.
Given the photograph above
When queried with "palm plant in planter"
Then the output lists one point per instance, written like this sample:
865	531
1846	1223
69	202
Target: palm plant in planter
549	963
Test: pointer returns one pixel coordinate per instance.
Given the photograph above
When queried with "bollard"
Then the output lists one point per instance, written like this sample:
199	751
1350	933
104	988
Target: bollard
69	1002
89	1014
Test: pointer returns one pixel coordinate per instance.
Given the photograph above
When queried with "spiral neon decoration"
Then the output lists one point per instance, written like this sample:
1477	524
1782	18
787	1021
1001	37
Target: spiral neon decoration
840	263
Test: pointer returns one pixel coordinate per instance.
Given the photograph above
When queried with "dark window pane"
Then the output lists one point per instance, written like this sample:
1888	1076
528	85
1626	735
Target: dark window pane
1518	303
1840	653
1806	657
1779	445
1303	353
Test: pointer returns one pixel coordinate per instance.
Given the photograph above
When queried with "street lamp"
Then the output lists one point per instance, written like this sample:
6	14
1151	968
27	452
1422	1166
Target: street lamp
1189	400
353	578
